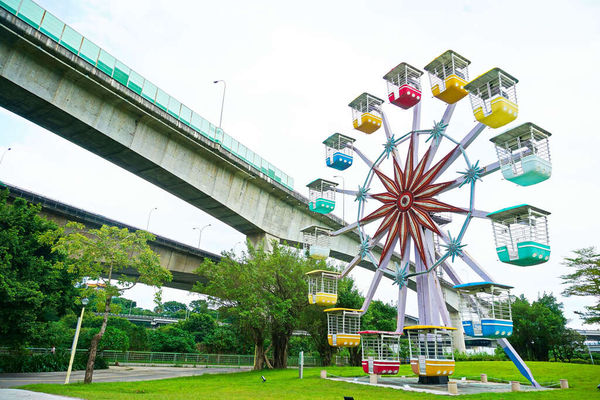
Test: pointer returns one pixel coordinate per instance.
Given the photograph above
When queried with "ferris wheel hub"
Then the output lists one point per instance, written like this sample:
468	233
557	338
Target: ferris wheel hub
405	201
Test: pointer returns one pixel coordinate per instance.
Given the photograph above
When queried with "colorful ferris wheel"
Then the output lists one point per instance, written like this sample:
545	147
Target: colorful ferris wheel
401	212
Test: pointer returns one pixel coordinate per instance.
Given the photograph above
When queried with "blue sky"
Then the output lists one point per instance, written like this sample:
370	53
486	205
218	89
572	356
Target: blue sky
291	70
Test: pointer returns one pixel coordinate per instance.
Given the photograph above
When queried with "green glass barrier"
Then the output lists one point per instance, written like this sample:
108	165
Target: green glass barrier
174	107
149	91
89	52
162	99
185	115
31	13
218	133
200	124
241	151
106	63
227	141
52	27
11	5
136	82
121	73
71	39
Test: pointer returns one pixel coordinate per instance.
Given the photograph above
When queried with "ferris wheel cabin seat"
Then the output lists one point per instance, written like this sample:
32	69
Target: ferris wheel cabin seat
521	235
322	287
366	116
321	196
343	325
486	309
494	98
431	356
380	352
448	75
338	151
404	86
524	154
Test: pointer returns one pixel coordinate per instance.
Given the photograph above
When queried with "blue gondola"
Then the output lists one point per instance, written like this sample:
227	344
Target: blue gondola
486	309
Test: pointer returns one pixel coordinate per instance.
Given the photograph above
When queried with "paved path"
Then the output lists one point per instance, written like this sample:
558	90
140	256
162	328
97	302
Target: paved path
15	394
113	374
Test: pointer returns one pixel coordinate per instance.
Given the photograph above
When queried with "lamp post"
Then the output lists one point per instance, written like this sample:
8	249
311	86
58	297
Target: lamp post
149	215
343	197
222	101
3	154
84	302
200	233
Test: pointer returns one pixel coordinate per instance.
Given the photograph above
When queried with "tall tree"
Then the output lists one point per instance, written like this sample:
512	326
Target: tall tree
538	327
173	308
264	291
585	281
106	254
350	297
35	287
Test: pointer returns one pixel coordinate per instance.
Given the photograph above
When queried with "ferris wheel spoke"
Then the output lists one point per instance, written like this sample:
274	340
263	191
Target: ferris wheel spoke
433	147
478	269
345	229
377	277
351	266
389	135
466	142
350	192
365	159
487	170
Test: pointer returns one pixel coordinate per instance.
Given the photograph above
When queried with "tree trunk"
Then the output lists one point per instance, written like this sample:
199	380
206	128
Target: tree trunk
89	369
355	356
259	355
280	347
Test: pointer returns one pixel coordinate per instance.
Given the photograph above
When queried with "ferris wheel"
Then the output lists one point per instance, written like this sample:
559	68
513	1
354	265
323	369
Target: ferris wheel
400	212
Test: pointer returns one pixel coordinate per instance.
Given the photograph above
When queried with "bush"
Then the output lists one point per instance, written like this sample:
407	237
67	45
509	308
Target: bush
46	362
479	357
171	339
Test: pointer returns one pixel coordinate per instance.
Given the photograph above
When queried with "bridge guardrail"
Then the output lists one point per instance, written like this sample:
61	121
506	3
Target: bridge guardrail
37	17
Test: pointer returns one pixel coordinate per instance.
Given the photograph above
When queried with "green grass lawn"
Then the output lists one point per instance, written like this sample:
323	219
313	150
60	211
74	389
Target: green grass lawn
284	384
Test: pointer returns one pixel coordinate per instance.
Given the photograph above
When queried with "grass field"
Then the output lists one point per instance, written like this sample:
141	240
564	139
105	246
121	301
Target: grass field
284	384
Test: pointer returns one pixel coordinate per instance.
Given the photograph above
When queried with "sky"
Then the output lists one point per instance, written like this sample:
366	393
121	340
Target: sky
292	68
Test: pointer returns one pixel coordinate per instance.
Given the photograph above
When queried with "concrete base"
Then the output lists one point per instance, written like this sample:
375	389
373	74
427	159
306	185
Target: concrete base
433	380
412	384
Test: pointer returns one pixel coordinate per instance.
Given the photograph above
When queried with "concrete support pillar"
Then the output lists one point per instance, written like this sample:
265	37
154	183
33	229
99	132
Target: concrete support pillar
458	335
263	239
515	386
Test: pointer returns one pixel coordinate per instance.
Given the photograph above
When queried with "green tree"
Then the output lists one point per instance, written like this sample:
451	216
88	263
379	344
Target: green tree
569	345
125	306
379	317
538	326
199	325
106	254
350	297
35	287
199	306
113	339
173	308
265	292
585	281
171	338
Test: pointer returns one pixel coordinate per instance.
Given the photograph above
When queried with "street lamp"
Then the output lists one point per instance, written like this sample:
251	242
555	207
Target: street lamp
343	197
200	233
84	302
149	215
222	101
3	154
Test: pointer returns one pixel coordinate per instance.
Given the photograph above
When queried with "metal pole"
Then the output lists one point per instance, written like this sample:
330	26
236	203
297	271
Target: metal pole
3	154
200	233
74	347
343	197
149	215
222	101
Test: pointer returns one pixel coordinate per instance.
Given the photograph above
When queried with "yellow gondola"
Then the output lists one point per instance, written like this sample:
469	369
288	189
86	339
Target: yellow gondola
343	325
322	287
448	75
494	98
431	355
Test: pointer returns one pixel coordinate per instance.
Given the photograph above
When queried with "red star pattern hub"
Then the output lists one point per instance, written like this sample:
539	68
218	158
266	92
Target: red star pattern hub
409	201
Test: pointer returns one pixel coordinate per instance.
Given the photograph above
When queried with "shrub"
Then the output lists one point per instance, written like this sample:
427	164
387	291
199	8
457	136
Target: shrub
46	362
